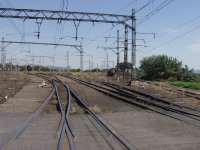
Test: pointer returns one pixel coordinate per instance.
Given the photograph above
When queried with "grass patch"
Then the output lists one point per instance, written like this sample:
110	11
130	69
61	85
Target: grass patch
96	109
190	85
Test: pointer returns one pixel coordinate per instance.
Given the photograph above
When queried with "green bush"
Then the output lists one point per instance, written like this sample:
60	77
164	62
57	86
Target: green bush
160	67
75	70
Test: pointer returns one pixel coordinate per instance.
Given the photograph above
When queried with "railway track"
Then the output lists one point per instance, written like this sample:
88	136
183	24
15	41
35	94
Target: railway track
64	127
16	133
98	120
64	95
184	114
179	91
153	99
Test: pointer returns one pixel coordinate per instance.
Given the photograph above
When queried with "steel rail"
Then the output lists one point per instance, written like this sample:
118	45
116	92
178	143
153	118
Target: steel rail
179	91
171	108
65	127
68	100
122	141
124	93
154	98
142	105
17	132
156	102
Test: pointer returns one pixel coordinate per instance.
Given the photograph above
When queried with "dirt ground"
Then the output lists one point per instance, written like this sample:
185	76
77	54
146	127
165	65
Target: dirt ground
98	101
160	90
144	129
17	109
157	89
11	83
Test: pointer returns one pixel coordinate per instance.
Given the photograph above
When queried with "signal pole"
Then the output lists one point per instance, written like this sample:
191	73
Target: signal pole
53	62
39	64
67	61
107	66
3	53
11	65
97	68
126	45
133	58
33	62
117	50
89	65
81	58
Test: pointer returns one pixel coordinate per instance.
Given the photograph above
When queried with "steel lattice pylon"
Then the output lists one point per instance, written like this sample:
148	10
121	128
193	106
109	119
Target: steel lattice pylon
63	15
77	17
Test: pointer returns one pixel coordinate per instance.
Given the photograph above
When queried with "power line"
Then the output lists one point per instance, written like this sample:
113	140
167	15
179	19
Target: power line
151	1
172	40
178	26
64	4
143	7
77	16
117	21
128	5
156	10
100	35
67	4
9	3
13	24
147	4
110	29
89	30
60	24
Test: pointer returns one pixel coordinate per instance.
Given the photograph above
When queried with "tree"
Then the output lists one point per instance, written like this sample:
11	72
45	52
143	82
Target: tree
45	69
75	70
123	66
160	67
187	74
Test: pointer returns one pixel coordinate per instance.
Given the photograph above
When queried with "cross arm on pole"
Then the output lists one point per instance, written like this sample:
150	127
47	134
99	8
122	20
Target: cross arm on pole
5	45
36	43
63	15
110	48
78	48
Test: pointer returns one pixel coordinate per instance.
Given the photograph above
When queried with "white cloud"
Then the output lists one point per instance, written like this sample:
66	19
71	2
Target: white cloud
195	47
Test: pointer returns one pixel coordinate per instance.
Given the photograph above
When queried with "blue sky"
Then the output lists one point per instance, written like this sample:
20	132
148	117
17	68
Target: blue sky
178	12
